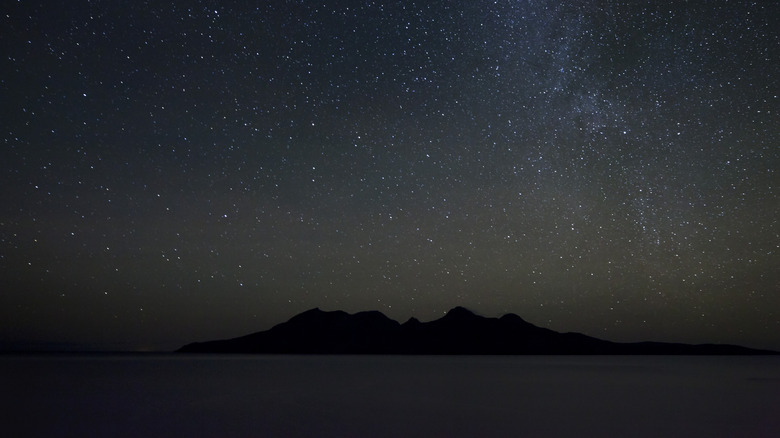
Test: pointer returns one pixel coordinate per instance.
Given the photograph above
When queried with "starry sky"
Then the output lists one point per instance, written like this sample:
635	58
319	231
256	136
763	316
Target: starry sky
191	170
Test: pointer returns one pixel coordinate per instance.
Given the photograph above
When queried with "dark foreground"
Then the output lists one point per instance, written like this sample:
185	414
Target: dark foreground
389	396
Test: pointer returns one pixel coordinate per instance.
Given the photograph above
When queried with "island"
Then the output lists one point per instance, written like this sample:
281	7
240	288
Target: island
459	332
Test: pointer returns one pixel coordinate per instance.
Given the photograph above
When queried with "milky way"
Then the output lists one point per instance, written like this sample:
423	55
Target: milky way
189	170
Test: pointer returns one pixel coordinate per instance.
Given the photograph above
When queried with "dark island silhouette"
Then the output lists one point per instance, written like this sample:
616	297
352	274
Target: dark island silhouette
459	332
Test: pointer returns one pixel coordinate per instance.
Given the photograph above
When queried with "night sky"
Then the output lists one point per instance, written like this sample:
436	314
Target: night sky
191	170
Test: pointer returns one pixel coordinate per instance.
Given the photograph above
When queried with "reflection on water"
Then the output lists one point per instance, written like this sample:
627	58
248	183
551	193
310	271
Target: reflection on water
259	396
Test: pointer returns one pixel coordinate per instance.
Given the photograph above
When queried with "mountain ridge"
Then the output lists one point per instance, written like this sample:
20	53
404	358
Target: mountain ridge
459	331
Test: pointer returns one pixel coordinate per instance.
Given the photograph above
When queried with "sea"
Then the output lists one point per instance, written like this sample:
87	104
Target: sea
168	395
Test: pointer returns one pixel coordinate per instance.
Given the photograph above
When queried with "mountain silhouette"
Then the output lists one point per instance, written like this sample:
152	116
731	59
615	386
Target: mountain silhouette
460	331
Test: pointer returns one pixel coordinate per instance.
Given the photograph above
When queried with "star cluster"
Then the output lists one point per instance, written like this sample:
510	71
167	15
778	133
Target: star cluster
183	170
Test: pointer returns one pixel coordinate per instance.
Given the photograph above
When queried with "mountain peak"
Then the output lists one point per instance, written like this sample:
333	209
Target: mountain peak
460	312
316	314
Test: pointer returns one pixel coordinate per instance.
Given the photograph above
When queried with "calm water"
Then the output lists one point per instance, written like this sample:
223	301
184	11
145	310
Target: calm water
376	396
